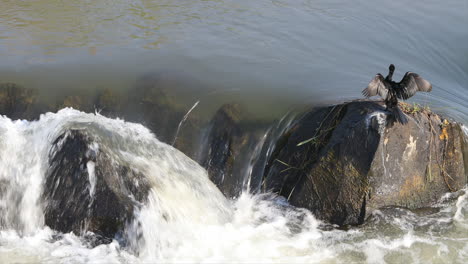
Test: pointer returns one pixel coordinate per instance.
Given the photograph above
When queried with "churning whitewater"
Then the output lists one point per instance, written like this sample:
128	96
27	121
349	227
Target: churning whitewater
185	218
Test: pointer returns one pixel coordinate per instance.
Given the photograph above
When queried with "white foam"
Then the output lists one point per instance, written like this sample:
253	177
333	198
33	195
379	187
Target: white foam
381	118
465	129
461	212
91	168
258	231
22	164
41	247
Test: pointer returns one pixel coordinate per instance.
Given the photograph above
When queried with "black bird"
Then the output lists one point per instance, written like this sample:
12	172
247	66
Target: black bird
391	91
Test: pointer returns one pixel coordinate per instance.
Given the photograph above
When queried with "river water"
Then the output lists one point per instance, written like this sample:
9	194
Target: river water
267	55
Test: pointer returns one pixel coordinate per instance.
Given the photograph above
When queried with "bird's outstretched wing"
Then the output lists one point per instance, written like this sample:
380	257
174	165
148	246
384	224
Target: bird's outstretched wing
376	87
412	83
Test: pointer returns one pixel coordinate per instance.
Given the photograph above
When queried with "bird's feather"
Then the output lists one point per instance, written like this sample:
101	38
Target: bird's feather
412	83
376	87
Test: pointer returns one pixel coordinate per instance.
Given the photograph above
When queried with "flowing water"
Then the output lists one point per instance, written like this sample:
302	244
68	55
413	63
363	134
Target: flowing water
203	226
268	55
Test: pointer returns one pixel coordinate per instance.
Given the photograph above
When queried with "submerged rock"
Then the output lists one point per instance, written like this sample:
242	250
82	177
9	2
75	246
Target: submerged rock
86	190
154	106
78	102
109	103
17	101
344	161
151	102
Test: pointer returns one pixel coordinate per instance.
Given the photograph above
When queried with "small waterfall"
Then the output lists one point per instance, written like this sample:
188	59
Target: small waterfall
22	164
181	191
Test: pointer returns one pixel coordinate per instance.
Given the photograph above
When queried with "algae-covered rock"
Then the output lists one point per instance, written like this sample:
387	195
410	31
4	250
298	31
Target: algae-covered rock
344	161
86	190
78	102
17	101
109	103
154	106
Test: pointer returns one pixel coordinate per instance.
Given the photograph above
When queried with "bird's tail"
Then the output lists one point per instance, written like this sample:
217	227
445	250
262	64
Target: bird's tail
399	116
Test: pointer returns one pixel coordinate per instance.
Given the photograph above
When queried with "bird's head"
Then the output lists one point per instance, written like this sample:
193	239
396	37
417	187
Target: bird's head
391	68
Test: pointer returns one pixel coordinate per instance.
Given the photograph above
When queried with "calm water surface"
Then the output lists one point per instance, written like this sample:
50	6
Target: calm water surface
267	54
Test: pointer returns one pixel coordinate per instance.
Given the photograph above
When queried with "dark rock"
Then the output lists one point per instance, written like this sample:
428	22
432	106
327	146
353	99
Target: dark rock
17	101
85	190
227	147
344	161
221	142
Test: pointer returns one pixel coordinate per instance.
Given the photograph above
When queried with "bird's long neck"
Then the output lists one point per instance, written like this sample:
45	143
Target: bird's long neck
390	75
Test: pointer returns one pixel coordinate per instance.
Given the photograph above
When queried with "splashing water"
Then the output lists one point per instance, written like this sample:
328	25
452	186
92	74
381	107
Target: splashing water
186	219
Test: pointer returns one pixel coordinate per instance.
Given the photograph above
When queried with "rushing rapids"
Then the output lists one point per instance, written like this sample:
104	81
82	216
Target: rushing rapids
186	218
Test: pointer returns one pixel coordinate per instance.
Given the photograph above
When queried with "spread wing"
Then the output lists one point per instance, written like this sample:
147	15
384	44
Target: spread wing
412	83
376	87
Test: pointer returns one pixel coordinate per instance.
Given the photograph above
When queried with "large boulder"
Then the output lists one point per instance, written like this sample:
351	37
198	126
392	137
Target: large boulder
86	190
344	161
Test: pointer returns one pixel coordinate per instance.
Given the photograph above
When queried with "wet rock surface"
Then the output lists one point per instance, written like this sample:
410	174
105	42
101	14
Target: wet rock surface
85	190
222	145
230	149
344	161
